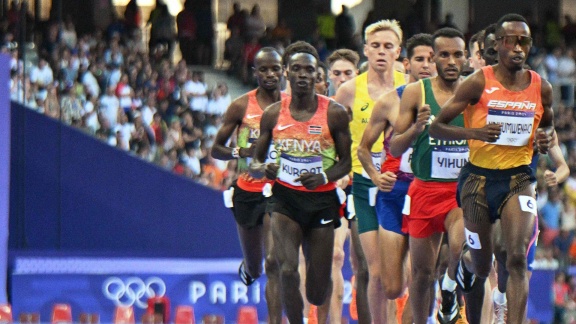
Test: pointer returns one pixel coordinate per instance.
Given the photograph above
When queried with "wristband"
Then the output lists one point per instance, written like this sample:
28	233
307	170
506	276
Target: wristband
236	152
325	177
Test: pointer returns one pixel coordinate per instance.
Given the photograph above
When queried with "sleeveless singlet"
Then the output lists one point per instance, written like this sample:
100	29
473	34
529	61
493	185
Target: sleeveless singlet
361	111
248	133
399	165
519	113
434	159
304	146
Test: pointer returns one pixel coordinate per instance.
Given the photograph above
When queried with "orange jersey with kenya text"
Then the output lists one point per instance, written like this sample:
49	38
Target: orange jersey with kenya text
519	113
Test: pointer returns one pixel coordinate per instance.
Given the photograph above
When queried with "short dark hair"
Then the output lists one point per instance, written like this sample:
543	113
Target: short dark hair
447	32
510	18
268	50
299	47
343	54
489	30
475	39
322	65
421	39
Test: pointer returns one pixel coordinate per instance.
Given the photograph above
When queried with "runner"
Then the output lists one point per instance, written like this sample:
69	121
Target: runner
382	48
503	106
248	201
310	132
395	174
431	208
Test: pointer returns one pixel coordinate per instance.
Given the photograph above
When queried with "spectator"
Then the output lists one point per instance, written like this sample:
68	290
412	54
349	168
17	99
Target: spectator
191	134
162	32
204	33
344	27
71	106
174	138
132	17
326	23
283	34
550	216
255	26
567	77
124	132
186	22
68	35
125	94
561	296
249	53
90	115
52	104
569	31
109	107
219	101
237	19
196	91
41	75
233	48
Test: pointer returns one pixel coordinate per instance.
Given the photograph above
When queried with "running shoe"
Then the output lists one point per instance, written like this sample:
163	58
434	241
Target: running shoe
353	308
464	278
500	312
449	311
244	276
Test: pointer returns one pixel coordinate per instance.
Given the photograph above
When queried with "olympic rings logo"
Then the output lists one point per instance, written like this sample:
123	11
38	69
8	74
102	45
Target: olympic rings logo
133	291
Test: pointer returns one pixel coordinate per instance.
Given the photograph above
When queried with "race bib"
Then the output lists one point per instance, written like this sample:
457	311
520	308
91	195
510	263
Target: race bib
405	161
376	161
447	161
516	126
291	167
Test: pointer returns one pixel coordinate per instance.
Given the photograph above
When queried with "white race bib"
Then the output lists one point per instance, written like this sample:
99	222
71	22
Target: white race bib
447	161
405	161
376	161
292	167
516	126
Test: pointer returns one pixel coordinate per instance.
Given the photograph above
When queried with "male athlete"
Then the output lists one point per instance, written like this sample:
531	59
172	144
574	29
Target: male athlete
505	106
395	175
476	61
382	48
430	208
312	136
248	202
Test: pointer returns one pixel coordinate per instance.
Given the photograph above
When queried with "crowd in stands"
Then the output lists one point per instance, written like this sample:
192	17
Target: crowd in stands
111	85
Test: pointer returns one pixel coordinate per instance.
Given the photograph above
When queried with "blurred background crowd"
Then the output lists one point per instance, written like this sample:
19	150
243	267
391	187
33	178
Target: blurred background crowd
148	96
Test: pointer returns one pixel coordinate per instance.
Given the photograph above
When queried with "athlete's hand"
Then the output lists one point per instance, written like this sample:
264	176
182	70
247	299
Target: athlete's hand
422	118
343	183
246	151
272	170
310	181
489	133
543	140
550	178
257	170
385	181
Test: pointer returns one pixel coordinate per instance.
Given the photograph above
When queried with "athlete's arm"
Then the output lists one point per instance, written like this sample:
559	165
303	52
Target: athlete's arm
469	92
546	126
257	167
409	124
377	125
562	171
345	95
231	120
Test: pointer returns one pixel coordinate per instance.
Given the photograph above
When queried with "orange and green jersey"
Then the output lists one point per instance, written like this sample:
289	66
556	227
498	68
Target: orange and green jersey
519	113
248	133
361	112
303	146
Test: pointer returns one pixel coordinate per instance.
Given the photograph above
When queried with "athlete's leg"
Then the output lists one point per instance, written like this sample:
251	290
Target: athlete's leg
376	298
517	219
334	305
302	273
273	298
423	253
251	242
361	265
393	257
318	247
287	236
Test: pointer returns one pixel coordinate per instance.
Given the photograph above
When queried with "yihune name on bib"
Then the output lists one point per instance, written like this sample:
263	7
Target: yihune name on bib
516	126
292	167
448	160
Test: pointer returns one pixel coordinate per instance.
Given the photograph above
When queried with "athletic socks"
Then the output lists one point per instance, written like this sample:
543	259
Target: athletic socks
447	283
499	297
